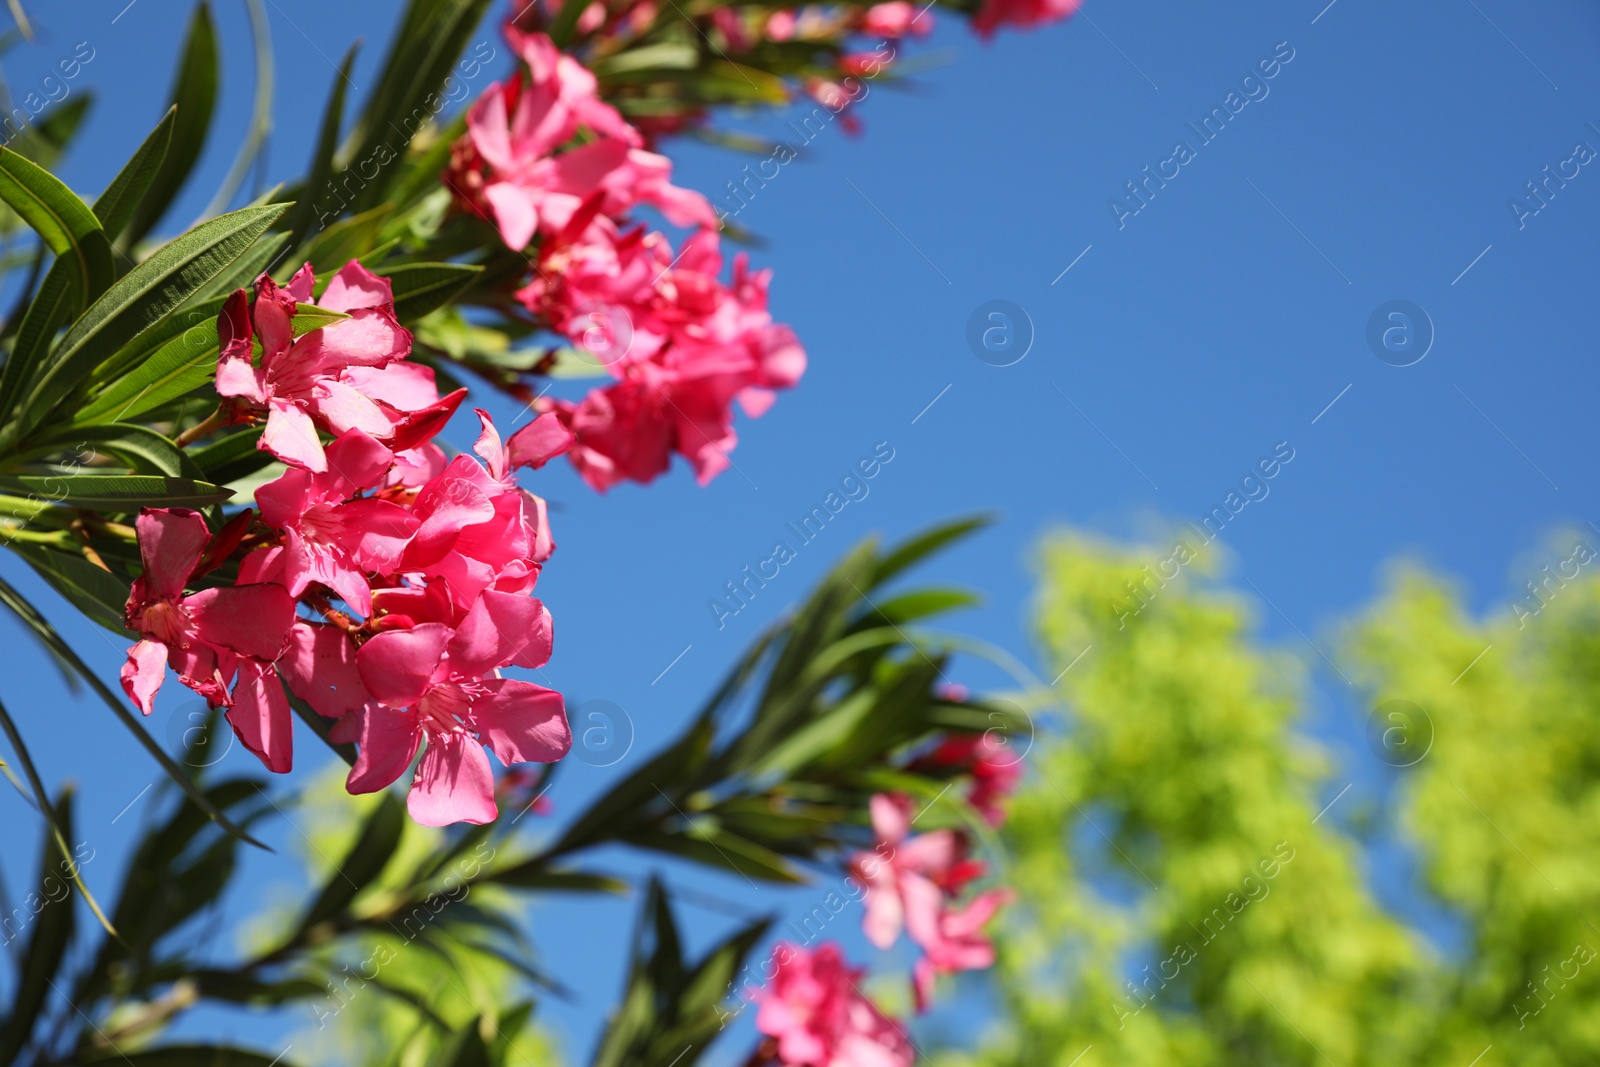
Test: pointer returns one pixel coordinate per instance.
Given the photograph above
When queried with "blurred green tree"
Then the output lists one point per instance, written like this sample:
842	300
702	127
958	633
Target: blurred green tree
1187	898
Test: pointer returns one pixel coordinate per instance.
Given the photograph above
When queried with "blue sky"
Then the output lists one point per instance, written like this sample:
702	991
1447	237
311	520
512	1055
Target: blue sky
1172	347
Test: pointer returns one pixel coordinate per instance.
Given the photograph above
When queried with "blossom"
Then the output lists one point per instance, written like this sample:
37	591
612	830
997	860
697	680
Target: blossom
819	1018
331	535
911	882
516	159
895	875
1024	14
336	378
439	684
994	770
951	938
695	347
896	18
213	638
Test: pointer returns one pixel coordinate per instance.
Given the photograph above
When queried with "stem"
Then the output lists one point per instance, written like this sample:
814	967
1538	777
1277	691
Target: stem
214	421
87	548
58	538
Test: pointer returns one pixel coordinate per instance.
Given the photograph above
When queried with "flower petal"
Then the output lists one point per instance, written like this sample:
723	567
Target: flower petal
251	620
500	628
143	672
171	541
453	784
260	715
389	741
356	287
523	723
292	437
540	441
397	665
320	666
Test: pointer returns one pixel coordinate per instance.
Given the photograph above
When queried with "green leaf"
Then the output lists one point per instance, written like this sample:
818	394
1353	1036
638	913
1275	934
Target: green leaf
919	604
299	221
39	625
431	37
64	222
565	22
194	94
923	545
97	593
57	301
707	843
535	875
262	256
179	366
349	238
663	55
116	493
141	298
115	206
52	927
464	1049
232	457
260	112
143	449
373	848
423	287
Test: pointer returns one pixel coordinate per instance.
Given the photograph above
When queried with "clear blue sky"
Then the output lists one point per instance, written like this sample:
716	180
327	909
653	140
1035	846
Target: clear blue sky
1221	319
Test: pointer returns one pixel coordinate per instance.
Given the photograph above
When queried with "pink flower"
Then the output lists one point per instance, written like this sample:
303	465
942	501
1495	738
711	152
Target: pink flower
506	536
336	378
911	882
819	1018
897	18
780	26
694	347
332	536
953	940
900	872
518	162
209	638
437	684
995	770
1024	14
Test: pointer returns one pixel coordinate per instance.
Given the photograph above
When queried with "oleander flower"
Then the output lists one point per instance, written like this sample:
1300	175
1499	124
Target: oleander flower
1023	14
438	686
819	1018
912	882
213	638
345	376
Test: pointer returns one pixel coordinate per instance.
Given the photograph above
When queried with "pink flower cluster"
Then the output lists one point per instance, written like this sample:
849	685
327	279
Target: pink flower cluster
682	346
386	584
816	1015
913	882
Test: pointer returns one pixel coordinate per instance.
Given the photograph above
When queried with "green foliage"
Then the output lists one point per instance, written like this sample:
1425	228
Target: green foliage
1185	896
409	947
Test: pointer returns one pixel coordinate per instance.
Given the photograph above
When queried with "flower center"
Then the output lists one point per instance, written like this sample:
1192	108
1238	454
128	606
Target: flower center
166	622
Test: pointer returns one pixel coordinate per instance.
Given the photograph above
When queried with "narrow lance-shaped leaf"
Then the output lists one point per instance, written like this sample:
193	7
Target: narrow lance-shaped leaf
61	220
194	93
111	492
57	300
183	364
304	214
139	299
260	111
116	206
60	829
51	931
371	852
